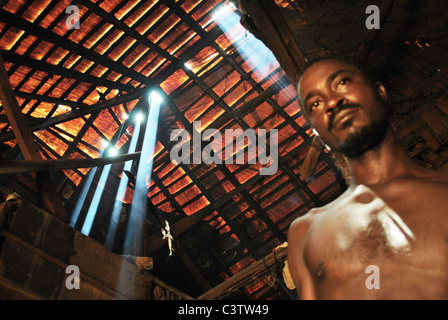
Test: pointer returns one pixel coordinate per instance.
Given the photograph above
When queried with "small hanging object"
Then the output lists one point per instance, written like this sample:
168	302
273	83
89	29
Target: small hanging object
167	235
8	209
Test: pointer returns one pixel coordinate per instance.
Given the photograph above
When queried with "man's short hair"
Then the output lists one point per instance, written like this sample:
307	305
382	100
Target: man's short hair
346	60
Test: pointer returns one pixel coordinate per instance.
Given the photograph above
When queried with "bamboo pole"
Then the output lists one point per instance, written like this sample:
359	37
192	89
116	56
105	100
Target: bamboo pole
246	276
21	166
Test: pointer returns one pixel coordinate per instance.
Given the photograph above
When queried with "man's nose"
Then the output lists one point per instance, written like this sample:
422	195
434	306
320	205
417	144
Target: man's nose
334	102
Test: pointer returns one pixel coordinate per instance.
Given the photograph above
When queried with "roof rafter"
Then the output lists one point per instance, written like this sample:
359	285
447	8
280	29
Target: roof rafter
68	73
71	46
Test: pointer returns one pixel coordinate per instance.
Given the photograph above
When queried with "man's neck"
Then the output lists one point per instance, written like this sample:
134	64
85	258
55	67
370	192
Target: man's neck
382	164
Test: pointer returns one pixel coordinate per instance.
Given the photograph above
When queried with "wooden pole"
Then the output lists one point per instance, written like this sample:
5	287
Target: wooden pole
16	119
274	32
28	146
245	276
21	166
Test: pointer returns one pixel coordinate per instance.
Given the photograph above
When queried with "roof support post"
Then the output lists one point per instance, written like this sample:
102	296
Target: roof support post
28	146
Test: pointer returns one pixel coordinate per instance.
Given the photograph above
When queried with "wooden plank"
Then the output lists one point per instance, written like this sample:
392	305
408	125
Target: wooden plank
28	146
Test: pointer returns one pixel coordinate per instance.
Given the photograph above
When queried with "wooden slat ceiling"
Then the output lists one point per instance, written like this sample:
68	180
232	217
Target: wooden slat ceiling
77	88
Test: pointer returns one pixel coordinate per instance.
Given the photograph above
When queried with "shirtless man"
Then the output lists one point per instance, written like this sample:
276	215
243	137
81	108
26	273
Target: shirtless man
386	237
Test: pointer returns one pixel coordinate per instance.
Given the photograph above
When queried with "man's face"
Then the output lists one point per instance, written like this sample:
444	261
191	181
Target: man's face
343	106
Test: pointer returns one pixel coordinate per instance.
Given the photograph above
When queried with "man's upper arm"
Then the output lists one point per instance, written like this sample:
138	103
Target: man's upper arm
296	263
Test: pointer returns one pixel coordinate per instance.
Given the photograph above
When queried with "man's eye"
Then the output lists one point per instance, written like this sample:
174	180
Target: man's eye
313	105
343	82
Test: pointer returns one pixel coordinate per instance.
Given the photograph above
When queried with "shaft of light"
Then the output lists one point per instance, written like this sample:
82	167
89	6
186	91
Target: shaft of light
121	191
134	235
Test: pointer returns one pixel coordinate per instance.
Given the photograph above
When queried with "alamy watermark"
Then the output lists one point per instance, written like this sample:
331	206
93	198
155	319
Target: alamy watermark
373	280
72	21
73	281
373	20
213	153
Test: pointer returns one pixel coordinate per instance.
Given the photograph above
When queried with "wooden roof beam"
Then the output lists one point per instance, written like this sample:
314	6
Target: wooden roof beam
136	94
57	101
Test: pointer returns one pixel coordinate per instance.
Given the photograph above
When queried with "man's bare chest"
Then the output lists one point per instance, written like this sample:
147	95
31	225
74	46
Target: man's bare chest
362	230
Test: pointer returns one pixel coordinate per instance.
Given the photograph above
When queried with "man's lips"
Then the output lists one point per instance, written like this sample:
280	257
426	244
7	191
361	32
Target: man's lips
342	113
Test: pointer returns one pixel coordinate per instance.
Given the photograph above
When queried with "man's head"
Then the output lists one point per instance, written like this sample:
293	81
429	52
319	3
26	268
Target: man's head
340	101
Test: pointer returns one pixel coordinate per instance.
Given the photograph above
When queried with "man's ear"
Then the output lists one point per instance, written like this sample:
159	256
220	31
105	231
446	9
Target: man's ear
381	90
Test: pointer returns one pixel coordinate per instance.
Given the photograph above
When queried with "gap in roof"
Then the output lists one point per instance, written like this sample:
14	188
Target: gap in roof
257	56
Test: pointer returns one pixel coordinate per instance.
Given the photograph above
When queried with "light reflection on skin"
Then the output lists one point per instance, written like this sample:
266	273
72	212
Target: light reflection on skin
365	209
397	232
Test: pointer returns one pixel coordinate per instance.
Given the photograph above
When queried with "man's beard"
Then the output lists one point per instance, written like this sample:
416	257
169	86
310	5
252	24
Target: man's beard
365	139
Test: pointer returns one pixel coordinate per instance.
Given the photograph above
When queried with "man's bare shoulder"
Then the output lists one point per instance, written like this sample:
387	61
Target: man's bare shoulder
298	229
440	176
427	181
302	223
300	226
